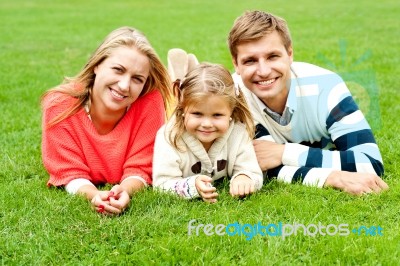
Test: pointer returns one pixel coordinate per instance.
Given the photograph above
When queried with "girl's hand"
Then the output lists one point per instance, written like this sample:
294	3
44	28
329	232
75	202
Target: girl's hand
206	190
241	186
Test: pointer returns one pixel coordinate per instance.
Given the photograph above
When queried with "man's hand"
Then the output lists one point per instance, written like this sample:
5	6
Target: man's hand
356	183
269	154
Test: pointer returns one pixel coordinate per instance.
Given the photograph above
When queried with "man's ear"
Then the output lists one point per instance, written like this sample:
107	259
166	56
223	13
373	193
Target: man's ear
234	62
290	53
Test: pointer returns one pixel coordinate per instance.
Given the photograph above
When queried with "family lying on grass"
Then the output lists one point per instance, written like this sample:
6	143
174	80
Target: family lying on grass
272	118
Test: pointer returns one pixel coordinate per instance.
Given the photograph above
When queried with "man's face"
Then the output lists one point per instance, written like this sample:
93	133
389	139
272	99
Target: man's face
264	66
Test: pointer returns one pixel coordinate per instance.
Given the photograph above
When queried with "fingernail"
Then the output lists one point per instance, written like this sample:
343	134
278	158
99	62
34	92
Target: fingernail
100	210
110	195
101	207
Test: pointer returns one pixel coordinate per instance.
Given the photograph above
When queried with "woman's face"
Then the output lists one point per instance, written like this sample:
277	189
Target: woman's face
119	80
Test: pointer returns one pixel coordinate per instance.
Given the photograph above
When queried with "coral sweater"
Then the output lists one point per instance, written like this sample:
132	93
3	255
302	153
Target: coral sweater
73	149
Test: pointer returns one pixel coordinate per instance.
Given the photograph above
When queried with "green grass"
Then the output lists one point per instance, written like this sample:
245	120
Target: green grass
41	41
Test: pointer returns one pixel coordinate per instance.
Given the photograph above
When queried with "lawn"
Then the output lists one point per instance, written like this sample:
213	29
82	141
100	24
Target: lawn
42	41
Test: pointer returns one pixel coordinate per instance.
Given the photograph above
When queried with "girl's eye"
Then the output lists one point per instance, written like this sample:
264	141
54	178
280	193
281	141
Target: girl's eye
218	115
196	113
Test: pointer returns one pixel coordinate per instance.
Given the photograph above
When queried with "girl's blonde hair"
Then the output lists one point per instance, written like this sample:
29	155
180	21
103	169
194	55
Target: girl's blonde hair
81	85
204	80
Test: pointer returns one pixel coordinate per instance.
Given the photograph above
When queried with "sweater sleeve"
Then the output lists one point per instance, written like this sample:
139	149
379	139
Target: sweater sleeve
167	173
61	154
149	117
355	146
310	176
293	173
246	160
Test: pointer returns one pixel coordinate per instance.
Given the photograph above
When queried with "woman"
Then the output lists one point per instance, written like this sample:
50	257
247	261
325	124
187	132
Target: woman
99	126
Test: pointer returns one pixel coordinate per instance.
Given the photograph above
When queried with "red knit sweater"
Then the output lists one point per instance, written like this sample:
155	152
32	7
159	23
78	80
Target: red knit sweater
73	149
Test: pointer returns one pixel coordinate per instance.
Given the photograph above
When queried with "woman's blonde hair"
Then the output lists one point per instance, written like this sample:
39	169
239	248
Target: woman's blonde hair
204	80
81	85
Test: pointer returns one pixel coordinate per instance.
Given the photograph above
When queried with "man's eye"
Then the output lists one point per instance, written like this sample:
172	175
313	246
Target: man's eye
248	62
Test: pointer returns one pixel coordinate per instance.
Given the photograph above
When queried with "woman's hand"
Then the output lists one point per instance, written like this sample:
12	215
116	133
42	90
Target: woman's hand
114	201
119	198
101	202
206	191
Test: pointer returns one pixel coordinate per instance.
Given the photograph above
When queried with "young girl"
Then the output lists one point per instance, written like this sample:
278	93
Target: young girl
99	126
207	138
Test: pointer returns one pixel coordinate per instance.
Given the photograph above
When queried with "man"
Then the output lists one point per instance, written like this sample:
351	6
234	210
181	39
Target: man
309	129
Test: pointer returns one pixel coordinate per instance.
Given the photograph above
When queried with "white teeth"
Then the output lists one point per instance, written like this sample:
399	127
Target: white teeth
116	94
266	82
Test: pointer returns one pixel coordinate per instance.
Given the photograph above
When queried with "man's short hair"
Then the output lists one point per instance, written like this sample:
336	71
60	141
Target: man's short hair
253	25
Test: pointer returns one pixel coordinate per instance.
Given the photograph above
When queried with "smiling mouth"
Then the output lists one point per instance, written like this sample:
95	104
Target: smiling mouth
206	132
117	95
266	82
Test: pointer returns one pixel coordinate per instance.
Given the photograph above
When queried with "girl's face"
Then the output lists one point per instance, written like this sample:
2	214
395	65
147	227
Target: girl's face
208	119
120	79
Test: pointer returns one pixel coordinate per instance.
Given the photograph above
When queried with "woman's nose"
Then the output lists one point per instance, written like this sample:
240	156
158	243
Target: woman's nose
124	82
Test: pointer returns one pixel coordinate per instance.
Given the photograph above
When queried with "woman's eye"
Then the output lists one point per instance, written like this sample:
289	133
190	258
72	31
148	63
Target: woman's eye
138	80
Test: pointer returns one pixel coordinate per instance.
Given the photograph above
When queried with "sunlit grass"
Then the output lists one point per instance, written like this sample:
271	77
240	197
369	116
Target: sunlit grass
41	41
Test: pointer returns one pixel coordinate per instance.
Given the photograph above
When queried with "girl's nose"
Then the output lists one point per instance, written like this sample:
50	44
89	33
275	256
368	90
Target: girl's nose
206	122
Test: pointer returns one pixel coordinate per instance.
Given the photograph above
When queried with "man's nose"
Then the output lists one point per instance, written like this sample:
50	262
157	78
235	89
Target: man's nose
264	68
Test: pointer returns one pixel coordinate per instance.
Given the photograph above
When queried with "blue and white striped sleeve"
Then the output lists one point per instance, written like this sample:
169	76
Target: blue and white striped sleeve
355	146
310	176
